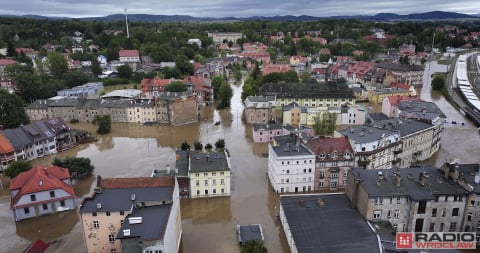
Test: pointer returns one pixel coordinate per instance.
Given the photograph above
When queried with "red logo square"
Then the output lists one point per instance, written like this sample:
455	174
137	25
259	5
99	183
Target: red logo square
404	240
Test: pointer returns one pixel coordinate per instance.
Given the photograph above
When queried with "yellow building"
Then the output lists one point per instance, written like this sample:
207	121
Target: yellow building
124	213
210	175
377	96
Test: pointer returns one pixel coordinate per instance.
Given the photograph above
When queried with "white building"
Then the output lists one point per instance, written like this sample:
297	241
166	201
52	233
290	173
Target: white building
291	165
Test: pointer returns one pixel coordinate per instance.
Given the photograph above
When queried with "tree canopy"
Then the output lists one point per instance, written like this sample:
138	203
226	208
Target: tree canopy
77	166
176	87
17	167
104	123
12	112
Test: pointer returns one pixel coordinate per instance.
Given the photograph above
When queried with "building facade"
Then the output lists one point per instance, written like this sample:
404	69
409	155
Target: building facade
210	174
259	110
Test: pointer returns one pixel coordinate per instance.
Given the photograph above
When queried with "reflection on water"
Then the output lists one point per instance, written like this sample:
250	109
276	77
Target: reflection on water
49	227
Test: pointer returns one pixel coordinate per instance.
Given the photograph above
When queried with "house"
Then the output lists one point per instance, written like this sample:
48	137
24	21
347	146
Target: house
7	152
404	73
29	52
129	57
294	114
266	132
201	87
20	141
249	233
43	138
88	90
177	108
41	190
141	111
390	105
418	199
376	96
275	68
5	81
210	174
259	110
309	221
375	148
152	87
291	165
132	215
334	157
220	37
63	136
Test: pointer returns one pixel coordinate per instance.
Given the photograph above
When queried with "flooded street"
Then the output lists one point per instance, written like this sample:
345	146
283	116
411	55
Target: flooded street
133	150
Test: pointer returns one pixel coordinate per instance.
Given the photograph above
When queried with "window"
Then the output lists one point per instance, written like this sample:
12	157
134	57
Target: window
214	182
397	213
453	227
52	194
221	173
398	200
432	227
113	251
45	207
222	181
198	192
333	185
108	213
197	174
94	214
32	197
95	224
62	202
206	182
455	212
389	214
443	213
377	214
320	184
434	212
422	205
441	227
222	190
214	174
122	213
288	171
197	183
26	210
111	238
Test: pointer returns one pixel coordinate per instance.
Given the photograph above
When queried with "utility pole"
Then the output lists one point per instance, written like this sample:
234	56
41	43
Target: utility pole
126	23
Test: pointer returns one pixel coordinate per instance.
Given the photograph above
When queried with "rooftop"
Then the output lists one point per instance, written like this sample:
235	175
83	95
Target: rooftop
266	127
328	145
17	137
249	233
290	145
5	145
434	183
399	67
405	126
205	162
306	90
152	226
366	134
313	218
126	93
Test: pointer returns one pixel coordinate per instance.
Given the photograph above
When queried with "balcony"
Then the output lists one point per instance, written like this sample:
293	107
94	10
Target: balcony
396	152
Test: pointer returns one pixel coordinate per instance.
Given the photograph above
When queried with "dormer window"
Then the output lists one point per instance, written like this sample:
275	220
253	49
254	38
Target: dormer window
334	155
322	155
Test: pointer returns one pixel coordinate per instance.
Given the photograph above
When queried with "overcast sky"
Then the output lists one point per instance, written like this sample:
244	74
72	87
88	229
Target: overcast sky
235	8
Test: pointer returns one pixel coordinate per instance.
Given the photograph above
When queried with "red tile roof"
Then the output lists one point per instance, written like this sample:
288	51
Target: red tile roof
329	145
38	179
402	86
394	100
143	182
7	62
19	50
5	146
37	246
271	68
148	83
128	53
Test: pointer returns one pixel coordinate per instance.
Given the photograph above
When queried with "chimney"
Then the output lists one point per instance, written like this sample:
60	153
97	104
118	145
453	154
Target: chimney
421	178
132	197
302	202
398	179
168	169
207	156
380	176
446	170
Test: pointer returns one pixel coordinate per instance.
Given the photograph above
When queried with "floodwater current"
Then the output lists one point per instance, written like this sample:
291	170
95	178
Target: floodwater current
133	150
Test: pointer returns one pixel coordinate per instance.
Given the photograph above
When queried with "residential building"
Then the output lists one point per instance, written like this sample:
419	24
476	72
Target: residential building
152	87
404	73
141	111
390	105
345	114
210	174
375	148
376	96
5	81
420	140
132	215
201	87
42	137
421	110
182	168
334	157
418	199
129	57
294	114
63	137
177	108
41	190
20	142
266	132
219	37
259	110
269	68
291	165
308	94
309	222
7	152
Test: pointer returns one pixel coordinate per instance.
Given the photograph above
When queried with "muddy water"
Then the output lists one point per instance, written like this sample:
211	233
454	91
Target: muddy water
208	224
132	150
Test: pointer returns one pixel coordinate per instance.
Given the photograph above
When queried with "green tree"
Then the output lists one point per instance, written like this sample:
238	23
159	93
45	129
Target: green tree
253	246
438	82
75	78
184	65
104	123
176	87
225	95
77	166
198	145
216	83
12	112
324	123
96	68
185	145
125	71
16	167
220	144
249	88
57	64
208	147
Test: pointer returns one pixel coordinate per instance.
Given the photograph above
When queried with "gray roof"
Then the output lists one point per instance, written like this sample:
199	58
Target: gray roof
300	128
435	183
266	127
62	102
375	116
173	95
90	104
366	134
119	199
286	146
152	227
38	104
181	162
306	90
388	91
292	105
38	131
249	233
203	162
17	137
114	103
406	126
257	99
126	93
312	225
410	106
399	67
469	171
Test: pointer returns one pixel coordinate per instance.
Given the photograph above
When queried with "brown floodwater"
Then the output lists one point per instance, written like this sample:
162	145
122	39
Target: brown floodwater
132	150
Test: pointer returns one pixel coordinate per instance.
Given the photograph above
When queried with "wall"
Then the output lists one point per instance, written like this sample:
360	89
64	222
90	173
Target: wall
96	239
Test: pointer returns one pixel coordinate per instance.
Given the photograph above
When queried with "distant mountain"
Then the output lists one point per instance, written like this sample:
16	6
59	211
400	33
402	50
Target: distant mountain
434	15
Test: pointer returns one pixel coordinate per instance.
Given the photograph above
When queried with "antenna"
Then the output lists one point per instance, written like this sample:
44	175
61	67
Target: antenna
126	23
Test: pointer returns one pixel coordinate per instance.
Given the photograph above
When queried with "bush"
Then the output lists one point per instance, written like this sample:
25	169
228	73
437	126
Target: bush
114	81
185	145
17	167
220	144
438	82
198	145
208	146
77	166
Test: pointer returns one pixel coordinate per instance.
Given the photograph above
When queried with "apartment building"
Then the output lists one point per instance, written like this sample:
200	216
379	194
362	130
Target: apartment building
210	174
134	215
259	110
417	199
291	165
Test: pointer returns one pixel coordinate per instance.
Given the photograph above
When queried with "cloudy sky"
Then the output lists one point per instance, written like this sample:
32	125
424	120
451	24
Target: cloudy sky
235	8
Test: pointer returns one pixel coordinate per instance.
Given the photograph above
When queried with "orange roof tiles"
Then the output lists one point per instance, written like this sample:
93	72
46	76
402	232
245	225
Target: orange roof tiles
5	146
143	182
